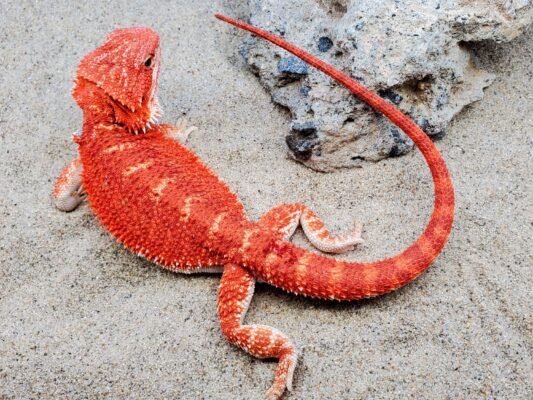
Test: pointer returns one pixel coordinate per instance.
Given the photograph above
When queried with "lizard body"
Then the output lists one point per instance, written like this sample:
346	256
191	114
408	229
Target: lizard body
158	198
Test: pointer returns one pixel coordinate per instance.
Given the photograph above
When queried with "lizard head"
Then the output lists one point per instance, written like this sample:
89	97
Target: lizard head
126	69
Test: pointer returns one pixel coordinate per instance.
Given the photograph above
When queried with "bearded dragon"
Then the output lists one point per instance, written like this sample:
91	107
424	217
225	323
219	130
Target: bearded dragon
157	198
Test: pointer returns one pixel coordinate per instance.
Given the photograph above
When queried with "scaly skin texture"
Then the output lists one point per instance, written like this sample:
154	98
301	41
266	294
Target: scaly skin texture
157	198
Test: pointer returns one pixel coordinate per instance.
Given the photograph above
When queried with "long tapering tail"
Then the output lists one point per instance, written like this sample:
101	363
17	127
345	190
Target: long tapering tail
300	271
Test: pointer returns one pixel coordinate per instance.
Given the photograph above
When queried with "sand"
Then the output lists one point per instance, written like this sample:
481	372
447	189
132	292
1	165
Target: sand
81	317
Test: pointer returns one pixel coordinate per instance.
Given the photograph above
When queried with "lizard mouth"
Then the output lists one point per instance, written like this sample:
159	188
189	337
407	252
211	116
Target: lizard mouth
140	120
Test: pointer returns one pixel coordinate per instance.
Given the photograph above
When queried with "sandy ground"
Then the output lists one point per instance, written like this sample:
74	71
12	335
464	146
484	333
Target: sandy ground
80	317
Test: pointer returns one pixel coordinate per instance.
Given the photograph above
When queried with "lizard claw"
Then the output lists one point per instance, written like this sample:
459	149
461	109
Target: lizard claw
181	123
357	232
352	239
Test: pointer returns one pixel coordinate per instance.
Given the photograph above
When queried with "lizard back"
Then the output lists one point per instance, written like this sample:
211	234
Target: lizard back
142	188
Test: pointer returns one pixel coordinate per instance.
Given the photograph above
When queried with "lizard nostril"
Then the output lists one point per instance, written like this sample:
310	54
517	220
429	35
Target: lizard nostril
148	62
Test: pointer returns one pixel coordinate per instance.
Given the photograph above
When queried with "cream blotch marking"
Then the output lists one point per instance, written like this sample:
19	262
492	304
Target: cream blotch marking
186	210
138	167
161	186
215	226
119	147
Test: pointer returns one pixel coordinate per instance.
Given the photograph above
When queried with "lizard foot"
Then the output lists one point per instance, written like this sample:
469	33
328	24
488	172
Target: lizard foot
66	194
182	132
319	236
284	375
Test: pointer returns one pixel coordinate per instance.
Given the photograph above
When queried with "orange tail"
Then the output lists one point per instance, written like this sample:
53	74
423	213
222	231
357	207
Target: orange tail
300	271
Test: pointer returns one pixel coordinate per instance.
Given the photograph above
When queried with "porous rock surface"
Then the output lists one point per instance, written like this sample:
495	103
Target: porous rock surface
417	54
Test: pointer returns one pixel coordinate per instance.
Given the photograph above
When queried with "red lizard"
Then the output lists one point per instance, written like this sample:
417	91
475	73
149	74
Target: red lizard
158	199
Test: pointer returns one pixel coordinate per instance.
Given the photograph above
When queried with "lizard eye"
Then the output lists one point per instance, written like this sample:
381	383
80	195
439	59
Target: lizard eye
148	62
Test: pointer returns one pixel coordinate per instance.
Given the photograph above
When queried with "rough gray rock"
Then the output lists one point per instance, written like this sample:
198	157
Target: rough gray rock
416	54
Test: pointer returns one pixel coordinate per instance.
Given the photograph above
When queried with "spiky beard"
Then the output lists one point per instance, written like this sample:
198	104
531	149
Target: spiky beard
155	112
139	120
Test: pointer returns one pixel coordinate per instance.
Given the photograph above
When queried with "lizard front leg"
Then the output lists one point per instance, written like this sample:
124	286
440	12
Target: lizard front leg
66	194
234	296
285	218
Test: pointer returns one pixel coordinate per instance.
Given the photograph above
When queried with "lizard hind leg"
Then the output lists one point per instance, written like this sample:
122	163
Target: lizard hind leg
66	194
282	220
234	296
285	218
